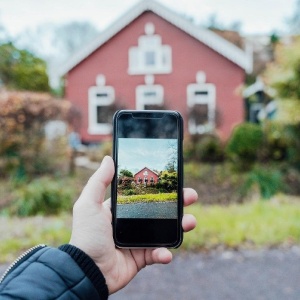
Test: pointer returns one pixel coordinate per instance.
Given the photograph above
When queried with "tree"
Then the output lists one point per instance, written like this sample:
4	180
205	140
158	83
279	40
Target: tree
3	34
71	36
283	74
125	173
172	157
56	43
167	181
213	22
21	70
294	21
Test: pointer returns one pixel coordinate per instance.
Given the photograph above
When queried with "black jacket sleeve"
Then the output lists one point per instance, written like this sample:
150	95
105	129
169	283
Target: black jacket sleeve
50	273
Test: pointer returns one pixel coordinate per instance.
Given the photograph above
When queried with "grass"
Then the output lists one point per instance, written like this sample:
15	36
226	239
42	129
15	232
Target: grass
19	234
254	224
147	198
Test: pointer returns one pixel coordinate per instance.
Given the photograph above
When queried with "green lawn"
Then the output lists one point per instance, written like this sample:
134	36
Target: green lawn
146	198
254	224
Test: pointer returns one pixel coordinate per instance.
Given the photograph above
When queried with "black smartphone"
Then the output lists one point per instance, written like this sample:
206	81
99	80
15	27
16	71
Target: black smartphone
147	192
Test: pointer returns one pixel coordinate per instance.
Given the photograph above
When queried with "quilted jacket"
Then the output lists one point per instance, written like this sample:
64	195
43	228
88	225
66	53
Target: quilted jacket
53	273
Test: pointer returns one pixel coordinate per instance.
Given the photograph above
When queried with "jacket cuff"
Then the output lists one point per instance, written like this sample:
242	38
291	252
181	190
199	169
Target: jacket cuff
89	267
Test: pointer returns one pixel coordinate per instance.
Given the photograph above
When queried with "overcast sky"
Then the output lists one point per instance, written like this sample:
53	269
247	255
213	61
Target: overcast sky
135	154
257	16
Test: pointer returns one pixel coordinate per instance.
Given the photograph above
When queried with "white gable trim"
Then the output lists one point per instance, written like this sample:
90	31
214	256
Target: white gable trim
211	39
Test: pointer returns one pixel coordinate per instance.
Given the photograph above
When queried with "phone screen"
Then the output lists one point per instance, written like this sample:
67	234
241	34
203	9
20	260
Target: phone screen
147	190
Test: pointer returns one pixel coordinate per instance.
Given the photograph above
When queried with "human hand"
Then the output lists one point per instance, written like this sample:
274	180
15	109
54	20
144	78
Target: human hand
92	232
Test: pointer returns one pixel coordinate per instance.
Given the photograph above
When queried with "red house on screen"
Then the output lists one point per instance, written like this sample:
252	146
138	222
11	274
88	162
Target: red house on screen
146	176
153	58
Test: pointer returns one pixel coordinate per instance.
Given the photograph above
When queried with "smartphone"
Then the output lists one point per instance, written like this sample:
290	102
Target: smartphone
147	192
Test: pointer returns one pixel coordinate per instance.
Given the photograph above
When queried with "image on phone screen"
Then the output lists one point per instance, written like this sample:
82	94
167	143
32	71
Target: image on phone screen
147	178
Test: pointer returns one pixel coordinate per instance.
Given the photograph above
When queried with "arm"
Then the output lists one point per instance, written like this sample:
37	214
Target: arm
92	234
50	273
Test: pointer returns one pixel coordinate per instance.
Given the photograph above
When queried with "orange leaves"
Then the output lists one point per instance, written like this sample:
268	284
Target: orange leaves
23	116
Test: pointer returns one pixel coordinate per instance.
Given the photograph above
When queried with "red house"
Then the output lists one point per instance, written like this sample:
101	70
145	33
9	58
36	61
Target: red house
154	58
146	176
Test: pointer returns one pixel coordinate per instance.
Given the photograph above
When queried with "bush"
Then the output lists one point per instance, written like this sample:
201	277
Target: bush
244	144
167	181
292	181
269	182
42	196
209	149
24	149
188	150
97	152
276	142
214	183
129	192
293	145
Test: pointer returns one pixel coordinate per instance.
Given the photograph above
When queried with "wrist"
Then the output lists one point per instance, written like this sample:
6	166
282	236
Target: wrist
89	267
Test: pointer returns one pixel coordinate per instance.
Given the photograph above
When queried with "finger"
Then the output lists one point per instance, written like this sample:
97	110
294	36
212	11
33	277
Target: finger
99	181
189	222
160	256
107	203
190	196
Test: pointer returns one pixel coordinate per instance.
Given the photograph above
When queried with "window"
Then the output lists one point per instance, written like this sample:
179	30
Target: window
100	102
149	97
201	98
150	56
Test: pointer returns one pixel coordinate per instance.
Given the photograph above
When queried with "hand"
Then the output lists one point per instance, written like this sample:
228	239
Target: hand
92	232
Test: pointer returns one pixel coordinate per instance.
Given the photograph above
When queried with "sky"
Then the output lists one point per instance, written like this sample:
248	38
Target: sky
135	154
257	16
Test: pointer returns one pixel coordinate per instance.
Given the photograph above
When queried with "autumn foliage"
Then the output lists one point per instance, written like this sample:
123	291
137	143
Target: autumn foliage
24	150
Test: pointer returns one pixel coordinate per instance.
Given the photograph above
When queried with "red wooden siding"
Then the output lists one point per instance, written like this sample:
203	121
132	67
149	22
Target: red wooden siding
151	176
188	57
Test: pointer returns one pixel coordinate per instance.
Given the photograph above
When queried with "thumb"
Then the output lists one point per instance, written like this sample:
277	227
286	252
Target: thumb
95	189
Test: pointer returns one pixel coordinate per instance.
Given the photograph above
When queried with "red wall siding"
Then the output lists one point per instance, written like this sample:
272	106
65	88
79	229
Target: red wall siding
141	175
188	56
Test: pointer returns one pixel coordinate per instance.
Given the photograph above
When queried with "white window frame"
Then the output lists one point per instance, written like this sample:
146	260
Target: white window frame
142	99
209	98
94	127
162	56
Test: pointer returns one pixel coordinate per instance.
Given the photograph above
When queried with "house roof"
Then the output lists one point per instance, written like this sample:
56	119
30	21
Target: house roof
209	38
144	169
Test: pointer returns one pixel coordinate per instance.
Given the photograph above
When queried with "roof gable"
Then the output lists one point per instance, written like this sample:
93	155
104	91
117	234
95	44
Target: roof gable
146	169
209	38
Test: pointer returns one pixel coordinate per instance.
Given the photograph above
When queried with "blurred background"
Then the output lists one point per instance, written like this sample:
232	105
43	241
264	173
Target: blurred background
231	68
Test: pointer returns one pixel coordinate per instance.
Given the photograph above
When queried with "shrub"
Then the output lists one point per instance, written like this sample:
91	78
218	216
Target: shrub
215	183
167	181
244	144
269	182
188	150
129	192
209	149
275	142
42	196
292	133
24	149
292	181
97	152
